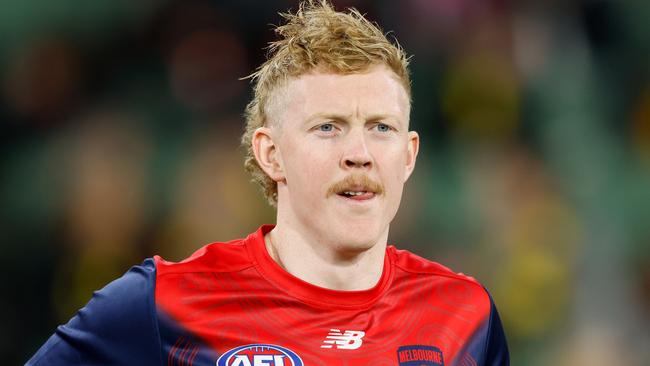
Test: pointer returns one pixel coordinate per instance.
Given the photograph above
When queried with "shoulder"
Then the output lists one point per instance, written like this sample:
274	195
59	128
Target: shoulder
126	299
214	257
117	326
413	263
435	272
458	293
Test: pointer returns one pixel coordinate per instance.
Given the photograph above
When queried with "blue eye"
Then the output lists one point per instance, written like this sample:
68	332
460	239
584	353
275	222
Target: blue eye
326	127
381	127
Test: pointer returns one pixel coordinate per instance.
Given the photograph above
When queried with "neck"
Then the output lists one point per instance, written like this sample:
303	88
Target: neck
325	264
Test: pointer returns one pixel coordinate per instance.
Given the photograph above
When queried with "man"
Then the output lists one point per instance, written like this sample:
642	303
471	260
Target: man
327	138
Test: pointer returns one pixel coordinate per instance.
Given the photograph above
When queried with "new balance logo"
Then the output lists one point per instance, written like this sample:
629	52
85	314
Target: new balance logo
350	339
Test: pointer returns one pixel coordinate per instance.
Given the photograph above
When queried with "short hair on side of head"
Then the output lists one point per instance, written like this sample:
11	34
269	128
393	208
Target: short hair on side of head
315	37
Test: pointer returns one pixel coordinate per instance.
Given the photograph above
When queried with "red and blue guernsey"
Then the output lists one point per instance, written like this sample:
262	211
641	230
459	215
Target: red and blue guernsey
230	304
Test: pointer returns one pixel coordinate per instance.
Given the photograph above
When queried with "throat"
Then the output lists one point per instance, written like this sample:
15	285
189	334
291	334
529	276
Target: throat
347	271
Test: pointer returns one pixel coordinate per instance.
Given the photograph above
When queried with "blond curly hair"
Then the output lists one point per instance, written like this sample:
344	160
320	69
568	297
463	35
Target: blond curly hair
316	36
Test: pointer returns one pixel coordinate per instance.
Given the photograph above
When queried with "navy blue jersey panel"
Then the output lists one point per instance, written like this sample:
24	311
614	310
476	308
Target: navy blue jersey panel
118	326
496	353
180	347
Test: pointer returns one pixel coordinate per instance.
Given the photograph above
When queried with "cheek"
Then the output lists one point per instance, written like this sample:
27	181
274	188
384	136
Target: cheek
393	170
307	168
393	162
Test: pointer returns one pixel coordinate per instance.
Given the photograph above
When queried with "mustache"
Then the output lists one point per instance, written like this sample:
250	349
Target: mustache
354	182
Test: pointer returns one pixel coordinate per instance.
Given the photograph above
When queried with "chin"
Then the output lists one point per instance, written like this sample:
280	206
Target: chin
354	248
358	237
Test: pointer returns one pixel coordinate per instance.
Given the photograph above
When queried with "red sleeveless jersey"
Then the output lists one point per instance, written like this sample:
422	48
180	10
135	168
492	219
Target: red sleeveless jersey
230	304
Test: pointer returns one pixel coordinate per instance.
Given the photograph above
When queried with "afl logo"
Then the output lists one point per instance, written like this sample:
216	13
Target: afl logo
259	355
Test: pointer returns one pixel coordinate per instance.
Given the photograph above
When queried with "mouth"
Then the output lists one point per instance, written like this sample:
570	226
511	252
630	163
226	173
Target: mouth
360	195
356	189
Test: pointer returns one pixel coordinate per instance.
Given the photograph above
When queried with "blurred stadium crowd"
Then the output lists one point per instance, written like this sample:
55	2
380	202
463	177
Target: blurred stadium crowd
120	132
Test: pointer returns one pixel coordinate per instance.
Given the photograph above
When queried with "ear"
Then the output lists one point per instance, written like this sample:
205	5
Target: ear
412	148
267	154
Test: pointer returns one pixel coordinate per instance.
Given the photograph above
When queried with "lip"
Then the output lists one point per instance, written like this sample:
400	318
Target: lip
359	200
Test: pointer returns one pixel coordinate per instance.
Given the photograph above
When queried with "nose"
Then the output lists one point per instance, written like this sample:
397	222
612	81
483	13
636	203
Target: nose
356	154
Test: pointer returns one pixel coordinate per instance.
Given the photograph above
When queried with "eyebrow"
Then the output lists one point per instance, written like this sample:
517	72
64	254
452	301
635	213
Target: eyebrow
344	118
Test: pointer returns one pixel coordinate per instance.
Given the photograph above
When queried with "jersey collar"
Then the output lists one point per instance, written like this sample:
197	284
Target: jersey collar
306	292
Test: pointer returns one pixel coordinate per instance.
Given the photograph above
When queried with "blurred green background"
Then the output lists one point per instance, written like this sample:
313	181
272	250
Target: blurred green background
121	121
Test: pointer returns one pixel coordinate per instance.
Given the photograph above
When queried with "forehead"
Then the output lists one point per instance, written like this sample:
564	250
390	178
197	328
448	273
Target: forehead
376	91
